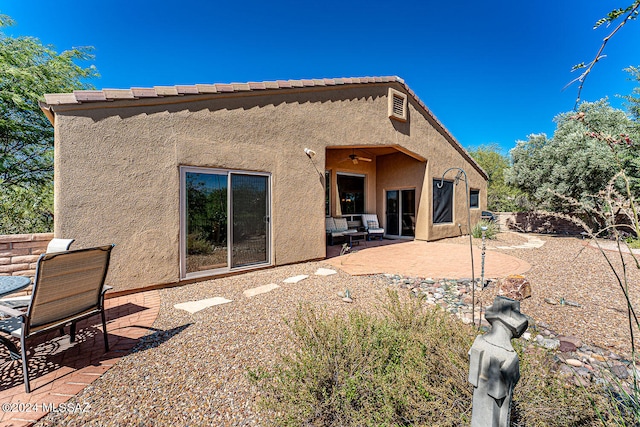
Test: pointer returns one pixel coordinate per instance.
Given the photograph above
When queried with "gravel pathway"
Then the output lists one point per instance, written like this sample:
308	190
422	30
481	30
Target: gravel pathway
193	371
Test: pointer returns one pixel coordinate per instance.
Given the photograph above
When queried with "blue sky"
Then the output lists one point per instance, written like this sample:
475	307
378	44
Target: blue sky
492	72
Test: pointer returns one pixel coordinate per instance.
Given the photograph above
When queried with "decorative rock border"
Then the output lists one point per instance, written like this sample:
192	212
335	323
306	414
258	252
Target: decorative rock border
576	361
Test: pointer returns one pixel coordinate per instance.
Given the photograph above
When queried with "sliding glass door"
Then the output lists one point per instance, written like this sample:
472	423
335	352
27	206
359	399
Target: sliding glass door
250	213
225	220
401	212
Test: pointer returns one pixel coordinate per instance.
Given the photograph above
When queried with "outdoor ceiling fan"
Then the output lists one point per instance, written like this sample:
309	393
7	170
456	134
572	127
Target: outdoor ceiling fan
354	158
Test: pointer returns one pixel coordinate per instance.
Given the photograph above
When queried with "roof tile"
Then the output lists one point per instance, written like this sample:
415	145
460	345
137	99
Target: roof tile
60	98
187	90
257	85
144	92
206	88
224	87
89	95
118	94
166	90
240	87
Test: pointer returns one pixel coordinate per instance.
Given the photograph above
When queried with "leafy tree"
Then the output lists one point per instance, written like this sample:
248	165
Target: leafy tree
501	197
28	70
634	98
575	163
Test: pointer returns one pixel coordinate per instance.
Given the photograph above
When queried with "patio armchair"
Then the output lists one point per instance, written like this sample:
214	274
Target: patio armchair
55	245
337	228
372	226
59	245
68	287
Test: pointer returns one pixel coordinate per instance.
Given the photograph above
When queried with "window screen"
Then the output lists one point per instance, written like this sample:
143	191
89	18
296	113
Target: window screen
474	198
442	202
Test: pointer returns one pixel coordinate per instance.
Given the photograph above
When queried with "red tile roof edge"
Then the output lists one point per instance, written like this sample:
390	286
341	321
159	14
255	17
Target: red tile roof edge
85	96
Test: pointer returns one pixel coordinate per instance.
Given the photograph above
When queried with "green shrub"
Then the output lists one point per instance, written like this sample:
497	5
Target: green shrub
490	233
633	242
406	368
197	245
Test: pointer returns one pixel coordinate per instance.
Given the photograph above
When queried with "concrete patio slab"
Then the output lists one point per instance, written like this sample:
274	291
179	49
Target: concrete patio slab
428	259
195	306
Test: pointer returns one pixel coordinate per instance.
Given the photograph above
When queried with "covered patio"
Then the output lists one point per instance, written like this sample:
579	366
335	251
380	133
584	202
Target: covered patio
383	180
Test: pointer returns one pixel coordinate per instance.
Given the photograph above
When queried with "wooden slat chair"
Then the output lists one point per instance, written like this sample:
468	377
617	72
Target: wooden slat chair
68	287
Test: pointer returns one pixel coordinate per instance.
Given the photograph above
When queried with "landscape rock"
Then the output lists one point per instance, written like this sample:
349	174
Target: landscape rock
620	371
516	287
566	346
577	342
574	362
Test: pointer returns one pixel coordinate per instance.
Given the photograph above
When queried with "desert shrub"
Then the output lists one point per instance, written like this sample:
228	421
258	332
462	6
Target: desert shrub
408	367
490	233
405	368
633	242
197	245
542	397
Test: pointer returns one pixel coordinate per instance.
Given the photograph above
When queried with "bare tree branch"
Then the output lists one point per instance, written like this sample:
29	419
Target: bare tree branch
632	13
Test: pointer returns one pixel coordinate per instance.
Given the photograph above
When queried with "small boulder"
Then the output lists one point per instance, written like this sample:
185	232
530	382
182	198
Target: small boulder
515	287
566	346
577	342
574	362
620	371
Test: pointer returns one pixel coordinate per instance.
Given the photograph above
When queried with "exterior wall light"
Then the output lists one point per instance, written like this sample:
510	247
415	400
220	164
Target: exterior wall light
309	152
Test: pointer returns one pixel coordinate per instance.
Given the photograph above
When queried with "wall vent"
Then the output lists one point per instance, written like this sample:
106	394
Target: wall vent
397	105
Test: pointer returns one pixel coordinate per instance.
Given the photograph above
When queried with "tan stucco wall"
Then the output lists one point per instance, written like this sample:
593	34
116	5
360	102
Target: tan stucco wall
441	156
117	168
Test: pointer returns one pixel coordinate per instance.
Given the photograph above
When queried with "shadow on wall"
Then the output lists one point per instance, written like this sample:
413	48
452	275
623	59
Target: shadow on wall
534	222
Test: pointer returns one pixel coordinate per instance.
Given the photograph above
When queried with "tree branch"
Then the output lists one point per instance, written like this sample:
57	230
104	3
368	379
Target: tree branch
630	15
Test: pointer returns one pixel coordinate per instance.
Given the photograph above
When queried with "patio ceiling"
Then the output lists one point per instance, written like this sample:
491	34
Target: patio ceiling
380	150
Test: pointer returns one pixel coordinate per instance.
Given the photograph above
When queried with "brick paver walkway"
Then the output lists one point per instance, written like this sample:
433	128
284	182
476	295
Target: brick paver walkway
428	259
60	369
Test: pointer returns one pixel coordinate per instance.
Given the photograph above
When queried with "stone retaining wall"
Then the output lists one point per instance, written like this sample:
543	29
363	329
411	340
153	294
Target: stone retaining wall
533	222
19	253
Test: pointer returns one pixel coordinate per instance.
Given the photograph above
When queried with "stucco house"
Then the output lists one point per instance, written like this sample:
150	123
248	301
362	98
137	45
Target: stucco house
196	181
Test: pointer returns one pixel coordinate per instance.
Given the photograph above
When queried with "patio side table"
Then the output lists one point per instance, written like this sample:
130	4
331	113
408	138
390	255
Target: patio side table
356	237
11	284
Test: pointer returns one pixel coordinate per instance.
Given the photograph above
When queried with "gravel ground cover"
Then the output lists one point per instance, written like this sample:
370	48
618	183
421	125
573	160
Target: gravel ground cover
567	267
193	371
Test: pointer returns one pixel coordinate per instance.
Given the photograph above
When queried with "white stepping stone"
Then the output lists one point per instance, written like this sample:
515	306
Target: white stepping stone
325	272
295	279
195	306
260	290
